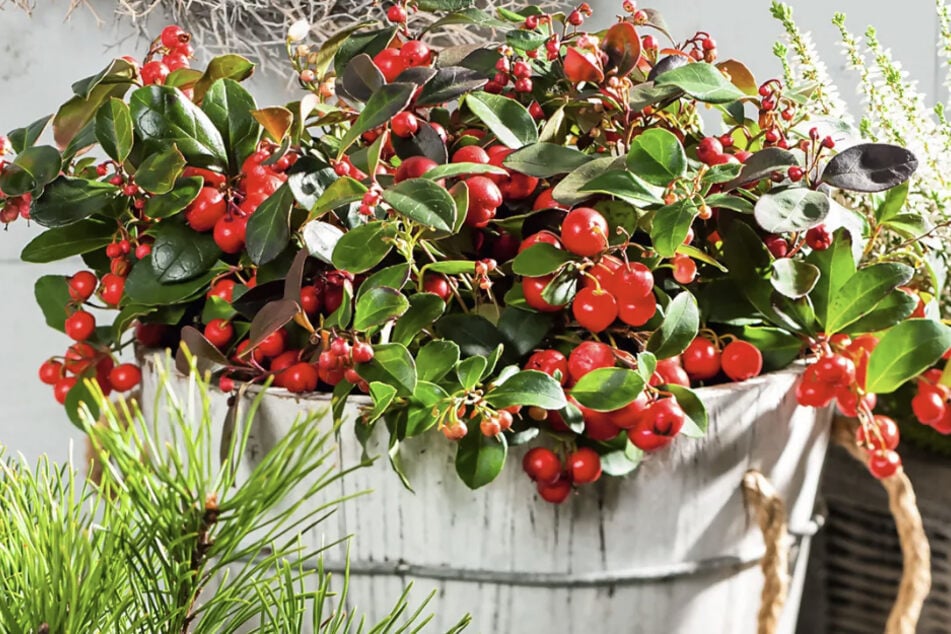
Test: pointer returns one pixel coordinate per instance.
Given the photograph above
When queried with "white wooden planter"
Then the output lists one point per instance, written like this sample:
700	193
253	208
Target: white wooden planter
668	549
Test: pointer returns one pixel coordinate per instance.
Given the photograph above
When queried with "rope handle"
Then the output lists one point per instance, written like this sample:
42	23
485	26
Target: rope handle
916	552
761	496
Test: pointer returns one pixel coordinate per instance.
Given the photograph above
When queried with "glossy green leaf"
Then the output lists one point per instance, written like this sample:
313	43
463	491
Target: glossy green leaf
181	195
229	106
158	172
114	129
363	247
382	395
790	210
269	229
341	192
904	352
143	287
62	242
231	67
836	265
541	259
180	253
469	371
68	200
394	277
670	226
392	364
523	330
22	138
702	81
528	388
450	170
544	160
696	421
381	107
680	326
52	296
436	359
424	310
863	291
378	306
623	185
571	190
424	202
896	307
657	156
608	389
794	278
895	199
31	170
163	116
506	118
479	459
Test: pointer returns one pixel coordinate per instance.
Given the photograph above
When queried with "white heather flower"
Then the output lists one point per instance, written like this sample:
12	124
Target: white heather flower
298	31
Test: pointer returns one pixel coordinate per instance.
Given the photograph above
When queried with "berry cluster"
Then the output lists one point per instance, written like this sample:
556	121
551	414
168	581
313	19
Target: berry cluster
175	47
553	478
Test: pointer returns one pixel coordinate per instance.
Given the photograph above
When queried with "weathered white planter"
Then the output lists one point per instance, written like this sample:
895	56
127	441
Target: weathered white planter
668	549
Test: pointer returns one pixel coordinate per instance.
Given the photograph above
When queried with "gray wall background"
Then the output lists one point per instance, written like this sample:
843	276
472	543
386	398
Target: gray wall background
43	54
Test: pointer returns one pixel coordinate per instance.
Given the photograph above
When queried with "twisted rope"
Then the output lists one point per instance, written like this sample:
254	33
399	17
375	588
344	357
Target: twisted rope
770	511
916	553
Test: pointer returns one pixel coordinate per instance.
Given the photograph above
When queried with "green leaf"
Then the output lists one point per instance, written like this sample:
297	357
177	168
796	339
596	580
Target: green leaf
114	129
680	326
790	210
451	267
450	170
78	398
608	389
424	309
506	118
540	259
475	334
378	306
896	307
904	352
726	201
480	459
382	395
163	116
523	330
836	265
230	67
229	107
181	195
620	184
394	277
31	170
761	165
423	201
363	247
392	364
143	287
119	71
436	359
68	200
341	192
22	138
470	371
621	462
910	225
657	156
63	242
701	81
340	318
895	199
449	83
52	296
74	115
180	254
381	107
794	278
863	291
670	226
269	228
544	160
530	388
158	172
420	416
695	422
571	190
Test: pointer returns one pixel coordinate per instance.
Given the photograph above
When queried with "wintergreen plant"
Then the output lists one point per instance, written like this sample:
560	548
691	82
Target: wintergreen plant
171	540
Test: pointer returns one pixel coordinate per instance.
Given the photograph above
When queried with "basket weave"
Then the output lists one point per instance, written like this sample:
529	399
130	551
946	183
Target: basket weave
856	561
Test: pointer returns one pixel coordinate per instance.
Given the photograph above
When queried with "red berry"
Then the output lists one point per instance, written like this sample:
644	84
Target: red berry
542	465
51	372
229	233
79	358
404	124
795	173
884	463
271	346
835	369
207	208
546	200
362	352
438	285
777	245
602	273
814	393
174	36
575	18
154	72
628	416
223	289
639	312
483	192
631	283
885	434
847	400
143	250
219	332
396	14
416	53
470	154
556	492
226	384
928	405
670	372
413	167
62	388
542	236
300	377
741	360
523	85
685	269
82	285
701	359
594	309
551	362
659	424
709	150
310	300
584	231
584	466
80	325
588	356
125	376
532	288
390	63
819	238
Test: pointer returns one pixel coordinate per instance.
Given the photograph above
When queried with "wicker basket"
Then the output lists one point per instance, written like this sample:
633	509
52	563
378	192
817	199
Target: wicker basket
856	561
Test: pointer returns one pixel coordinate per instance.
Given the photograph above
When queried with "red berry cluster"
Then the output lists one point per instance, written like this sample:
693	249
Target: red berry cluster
553	478
930	403
176	50
395	59
704	359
